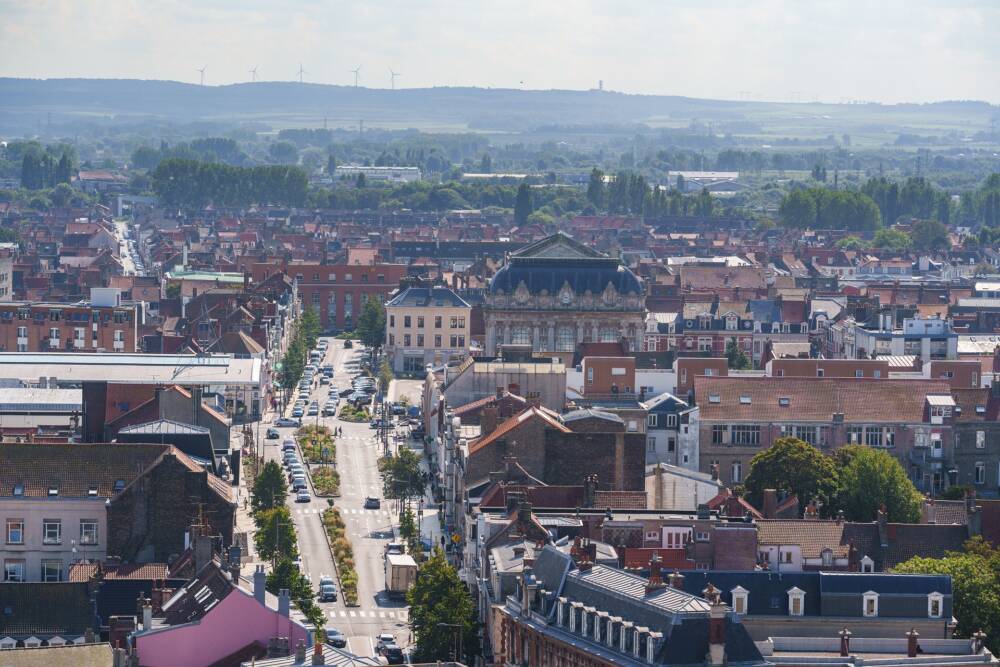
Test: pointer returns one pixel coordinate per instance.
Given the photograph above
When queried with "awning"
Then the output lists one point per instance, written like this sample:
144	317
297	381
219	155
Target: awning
943	401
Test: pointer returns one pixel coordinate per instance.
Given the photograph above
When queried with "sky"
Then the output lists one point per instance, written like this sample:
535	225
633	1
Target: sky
773	50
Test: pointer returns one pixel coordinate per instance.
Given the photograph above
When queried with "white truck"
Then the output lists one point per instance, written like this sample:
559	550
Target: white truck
400	573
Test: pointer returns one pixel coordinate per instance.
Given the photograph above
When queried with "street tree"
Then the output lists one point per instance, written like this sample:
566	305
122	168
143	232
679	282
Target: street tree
870	478
442	613
402	476
930	235
371	323
275	536
269	489
792	466
892	239
287	576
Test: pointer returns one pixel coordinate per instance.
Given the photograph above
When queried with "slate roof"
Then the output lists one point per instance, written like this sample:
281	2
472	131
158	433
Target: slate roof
812	537
39	609
198	597
73	469
422	297
815	399
591	413
550	418
907	540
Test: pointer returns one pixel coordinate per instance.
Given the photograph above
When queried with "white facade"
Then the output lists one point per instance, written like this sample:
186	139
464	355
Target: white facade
40	535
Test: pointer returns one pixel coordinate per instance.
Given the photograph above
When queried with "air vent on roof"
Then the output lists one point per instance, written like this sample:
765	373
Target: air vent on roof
714	398
53	490
980	409
19	489
784	401
745	400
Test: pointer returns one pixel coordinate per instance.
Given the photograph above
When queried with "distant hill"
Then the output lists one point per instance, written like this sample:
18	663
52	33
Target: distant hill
24	102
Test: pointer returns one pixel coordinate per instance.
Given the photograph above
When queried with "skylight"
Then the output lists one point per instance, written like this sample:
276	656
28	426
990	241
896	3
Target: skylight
53	490
19	489
745	400
784	401
714	398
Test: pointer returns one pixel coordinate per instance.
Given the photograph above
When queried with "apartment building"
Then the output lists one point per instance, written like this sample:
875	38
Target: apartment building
337	292
911	419
103	323
427	325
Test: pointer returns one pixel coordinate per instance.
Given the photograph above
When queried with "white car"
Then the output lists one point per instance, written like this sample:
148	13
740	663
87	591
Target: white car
302	496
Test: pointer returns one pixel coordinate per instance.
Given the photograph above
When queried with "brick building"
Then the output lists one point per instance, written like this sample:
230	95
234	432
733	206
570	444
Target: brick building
74	327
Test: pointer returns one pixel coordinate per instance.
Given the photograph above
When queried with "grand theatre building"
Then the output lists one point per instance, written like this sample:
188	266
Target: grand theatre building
556	293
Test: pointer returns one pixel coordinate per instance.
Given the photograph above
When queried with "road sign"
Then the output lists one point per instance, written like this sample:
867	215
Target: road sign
455	538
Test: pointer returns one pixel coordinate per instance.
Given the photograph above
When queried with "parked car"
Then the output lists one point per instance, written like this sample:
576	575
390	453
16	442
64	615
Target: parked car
302	496
372	503
348	344
393	654
382	640
313	411
325	579
330	409
286	422
273	434
296	412
324	379
299	482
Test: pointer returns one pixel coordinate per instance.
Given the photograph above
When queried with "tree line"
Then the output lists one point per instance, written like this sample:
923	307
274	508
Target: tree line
629	193
194	184
40	169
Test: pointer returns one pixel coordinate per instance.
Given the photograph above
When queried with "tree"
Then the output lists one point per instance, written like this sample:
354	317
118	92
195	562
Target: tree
486	164
402	476
287	576
851	243
930	235
892	239
442	613
792	466
522	205
596	189
371	323
798	209
331	165
870	478
62	195
975	584
275	534
736	357
269	489
385	375
283	152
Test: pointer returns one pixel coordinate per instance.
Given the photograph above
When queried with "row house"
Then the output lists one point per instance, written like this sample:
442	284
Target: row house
102	324
911	419
703	327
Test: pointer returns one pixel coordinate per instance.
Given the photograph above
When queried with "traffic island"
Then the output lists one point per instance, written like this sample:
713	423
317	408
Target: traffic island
343	555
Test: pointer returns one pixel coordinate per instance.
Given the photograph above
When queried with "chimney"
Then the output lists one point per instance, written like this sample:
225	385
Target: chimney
912	647
716	629
499	393
811	514
658	488
589	490
300	652
655	582
677	581
284	603
118	657
88	636
318	658
524	512
930	511
715	473
882	518
488	420
259	583
201	545
845	642
770	503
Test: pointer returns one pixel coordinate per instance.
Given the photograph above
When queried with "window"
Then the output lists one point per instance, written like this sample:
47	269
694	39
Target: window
52	570
737	472
873	436
392	339
348	277
826	557
406	340
796	601
702	536
22	332
819	372
51	531
437	340
740	595
745	400
869	603
980	439
332	277
519	335
786	556
784	401
935	605
54	334
867	564
406	321
651	420
364	277
720	435
650	444
565	339
671	445
590	375
420	340
392	320
453	322
980	472
15	531
714	398
420	321
671	421
461	322
607	335
876	374
13	570
746	435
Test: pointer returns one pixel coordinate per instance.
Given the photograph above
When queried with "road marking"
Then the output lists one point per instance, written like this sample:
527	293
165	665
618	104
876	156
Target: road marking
352	613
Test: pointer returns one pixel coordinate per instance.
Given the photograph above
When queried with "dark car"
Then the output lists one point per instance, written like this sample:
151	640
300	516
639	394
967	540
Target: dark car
372	503
336	638
273	434
286	421
348	344
393	654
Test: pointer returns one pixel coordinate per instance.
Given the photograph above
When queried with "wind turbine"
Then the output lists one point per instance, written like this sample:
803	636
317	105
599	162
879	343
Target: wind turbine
301	72
392	78
253	74
201	71
357	75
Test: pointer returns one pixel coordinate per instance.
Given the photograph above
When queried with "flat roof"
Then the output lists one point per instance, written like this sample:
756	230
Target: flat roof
185	369
218	276
13	399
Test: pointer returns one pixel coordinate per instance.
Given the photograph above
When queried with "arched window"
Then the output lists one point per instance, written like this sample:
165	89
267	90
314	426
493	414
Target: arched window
608	335
565	339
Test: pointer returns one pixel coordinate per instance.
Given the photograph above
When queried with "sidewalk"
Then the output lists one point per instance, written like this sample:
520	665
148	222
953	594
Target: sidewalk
244	515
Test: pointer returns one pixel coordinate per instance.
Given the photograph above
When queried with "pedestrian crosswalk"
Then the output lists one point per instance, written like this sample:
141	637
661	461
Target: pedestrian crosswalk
388	614
346	510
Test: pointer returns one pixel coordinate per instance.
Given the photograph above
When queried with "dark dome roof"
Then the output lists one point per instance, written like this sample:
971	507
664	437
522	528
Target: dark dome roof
582	276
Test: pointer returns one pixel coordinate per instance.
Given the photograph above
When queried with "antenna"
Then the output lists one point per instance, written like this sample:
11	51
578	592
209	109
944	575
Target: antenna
392	78
253	74
301	72
201	71
357	75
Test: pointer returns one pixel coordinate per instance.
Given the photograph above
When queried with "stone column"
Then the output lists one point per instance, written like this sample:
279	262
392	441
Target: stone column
552	336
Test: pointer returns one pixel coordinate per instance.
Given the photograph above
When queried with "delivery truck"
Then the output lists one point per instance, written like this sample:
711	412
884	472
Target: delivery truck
400	573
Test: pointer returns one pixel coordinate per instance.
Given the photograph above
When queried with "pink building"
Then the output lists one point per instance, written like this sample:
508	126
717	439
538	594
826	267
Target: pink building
213	618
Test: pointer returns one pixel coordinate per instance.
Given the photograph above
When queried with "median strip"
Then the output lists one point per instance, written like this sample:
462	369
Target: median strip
343	554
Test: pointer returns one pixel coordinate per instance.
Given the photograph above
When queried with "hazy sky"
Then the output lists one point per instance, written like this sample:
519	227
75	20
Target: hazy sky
912	50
